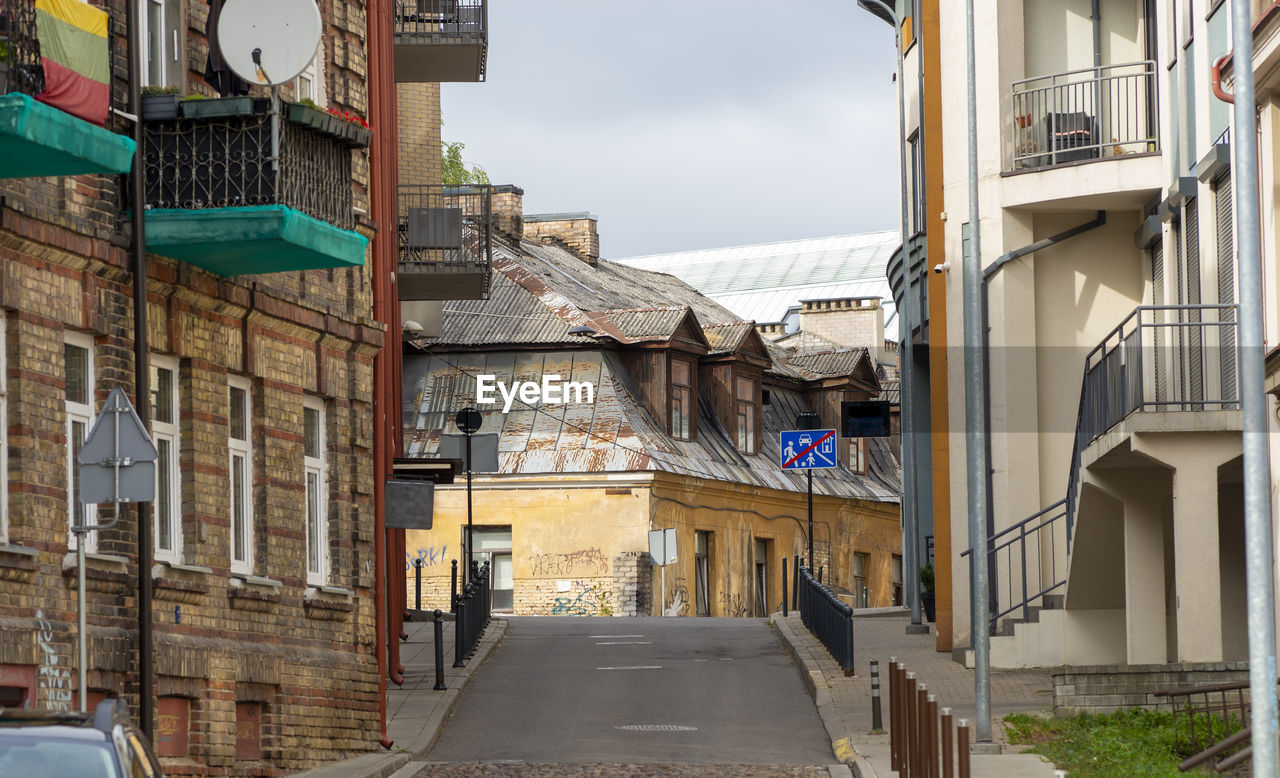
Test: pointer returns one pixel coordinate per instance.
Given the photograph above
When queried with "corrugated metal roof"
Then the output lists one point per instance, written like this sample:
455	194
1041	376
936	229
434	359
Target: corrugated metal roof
760	282
613	434
829	363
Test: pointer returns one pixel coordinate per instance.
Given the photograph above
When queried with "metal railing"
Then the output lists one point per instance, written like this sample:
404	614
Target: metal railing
226	161
829	619
1085	114
1215	718
473	608
20	68
1160	358
924	742
445	228
457	17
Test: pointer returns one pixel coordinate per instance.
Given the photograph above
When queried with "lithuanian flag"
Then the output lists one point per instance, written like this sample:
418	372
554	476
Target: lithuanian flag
73	51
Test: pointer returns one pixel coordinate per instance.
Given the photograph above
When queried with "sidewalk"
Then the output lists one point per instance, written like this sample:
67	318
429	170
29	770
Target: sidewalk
845	703
416	711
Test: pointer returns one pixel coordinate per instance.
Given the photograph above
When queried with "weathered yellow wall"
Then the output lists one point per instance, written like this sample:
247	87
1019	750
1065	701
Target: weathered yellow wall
575	542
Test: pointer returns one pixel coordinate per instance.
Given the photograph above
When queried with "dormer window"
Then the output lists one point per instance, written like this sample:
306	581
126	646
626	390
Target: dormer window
681	399
748	414
858	455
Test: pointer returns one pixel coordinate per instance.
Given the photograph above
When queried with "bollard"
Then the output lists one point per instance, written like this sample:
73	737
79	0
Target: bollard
876	723
417	584
948	752
895	729
819	574
900	683
962	748
453	588
931	711
910	730
438	625
784	587
459	624
922	732
795	582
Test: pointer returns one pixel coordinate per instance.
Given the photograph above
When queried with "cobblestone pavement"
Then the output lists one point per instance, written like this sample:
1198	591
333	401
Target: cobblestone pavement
614	770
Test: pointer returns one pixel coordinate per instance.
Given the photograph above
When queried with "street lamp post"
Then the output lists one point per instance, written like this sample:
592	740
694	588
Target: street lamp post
468	422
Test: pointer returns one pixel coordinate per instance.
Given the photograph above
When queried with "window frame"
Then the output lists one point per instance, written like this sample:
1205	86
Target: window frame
144	35
4	427
689	399
78	412
244	449
315	466
857	456
747	413
170	432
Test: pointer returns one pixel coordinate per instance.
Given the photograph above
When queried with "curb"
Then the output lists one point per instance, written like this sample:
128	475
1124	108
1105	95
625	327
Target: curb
382	765
818	688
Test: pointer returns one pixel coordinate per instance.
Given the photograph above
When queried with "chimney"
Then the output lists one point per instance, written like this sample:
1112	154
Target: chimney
508	210
771	330
850	321
574	231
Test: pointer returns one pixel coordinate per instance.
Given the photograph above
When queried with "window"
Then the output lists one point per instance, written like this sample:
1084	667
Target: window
164	433
702	571
748	414
152	33
681	399
896	572
77	357
916	200
313	466
858	455
306	86
861	563
173	725
240	449
762	577
248	731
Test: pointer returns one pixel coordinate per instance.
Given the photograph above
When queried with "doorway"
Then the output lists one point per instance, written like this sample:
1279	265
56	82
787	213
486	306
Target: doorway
493	545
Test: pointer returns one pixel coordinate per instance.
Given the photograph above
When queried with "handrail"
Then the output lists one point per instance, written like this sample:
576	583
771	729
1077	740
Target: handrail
829	619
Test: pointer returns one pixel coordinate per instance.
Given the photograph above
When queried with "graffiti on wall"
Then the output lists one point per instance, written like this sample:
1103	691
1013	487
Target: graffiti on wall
584	599
677	599
54	676
587	561
734	605
430	557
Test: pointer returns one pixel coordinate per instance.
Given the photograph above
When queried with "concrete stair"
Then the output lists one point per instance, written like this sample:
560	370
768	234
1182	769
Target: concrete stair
1036	641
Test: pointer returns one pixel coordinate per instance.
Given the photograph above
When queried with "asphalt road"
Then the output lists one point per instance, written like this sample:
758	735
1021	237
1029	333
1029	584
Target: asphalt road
637	691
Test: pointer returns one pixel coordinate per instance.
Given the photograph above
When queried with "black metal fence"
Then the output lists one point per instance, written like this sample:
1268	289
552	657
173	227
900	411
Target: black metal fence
226	161
443	229
20	68
829	619
473	608
457	17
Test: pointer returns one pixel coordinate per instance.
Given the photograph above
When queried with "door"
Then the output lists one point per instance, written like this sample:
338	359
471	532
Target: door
762	577
493	545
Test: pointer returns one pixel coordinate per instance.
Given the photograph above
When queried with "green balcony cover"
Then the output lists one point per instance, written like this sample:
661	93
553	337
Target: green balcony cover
39	140
251	240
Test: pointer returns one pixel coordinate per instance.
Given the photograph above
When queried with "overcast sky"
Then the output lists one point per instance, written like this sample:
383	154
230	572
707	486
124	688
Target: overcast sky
688	124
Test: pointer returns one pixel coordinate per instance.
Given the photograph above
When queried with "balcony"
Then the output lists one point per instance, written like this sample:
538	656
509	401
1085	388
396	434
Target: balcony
916	259
441	40
445	242
37	139
218	198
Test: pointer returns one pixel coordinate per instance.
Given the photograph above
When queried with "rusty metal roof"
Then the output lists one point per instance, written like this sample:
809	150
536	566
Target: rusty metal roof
612	434
828	363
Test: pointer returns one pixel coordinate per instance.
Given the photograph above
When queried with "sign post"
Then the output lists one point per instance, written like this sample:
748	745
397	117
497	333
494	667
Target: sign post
662	550
808	449
468	422
116	465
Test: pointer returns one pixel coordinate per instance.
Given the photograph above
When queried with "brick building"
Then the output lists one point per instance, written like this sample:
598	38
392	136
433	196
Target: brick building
269	291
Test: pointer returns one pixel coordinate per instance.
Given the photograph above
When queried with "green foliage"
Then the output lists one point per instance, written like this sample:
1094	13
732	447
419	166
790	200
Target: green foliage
160	90
194	96
455	171
926	578
1134	742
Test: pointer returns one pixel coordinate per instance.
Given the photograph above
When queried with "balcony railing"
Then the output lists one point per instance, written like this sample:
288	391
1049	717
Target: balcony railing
1085	114
226	161
446	248
20	68
441	40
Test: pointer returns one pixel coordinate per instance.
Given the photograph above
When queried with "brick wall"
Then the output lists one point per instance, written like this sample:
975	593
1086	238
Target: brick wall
1105	688
508	210
418	118
848	322
575	232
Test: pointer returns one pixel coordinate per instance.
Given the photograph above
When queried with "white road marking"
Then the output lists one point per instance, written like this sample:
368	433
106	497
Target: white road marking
634	667
626	643
615	636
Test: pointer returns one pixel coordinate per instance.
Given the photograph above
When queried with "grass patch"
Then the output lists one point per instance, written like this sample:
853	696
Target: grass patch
1133	742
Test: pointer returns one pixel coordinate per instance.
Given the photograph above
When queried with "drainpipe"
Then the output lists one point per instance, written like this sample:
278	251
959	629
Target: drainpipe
141	377
1259	558
1215	79
987	274
908	490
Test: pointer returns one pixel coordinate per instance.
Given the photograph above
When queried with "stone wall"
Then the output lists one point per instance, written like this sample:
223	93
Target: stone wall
575	232
1105	688
631	576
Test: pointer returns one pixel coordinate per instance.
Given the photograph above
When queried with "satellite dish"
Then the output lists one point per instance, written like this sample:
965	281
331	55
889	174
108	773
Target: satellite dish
269	43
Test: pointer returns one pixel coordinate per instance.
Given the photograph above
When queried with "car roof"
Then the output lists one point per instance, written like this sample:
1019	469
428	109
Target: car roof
51	731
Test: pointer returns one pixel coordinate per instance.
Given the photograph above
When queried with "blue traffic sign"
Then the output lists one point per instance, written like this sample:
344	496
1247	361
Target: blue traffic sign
808	449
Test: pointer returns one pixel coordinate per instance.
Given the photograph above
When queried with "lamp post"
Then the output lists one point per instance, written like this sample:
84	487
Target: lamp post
808	420
468	422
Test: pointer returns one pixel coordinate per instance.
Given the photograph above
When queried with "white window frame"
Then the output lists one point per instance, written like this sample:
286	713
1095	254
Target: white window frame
312	73
83	413
4	433
242	448
314	478
144	35
167	432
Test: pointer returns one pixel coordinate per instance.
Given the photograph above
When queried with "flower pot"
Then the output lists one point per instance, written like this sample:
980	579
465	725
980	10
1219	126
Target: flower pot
242	105
158	108
929	607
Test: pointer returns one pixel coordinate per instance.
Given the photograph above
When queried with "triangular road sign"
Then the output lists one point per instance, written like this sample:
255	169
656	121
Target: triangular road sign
134	442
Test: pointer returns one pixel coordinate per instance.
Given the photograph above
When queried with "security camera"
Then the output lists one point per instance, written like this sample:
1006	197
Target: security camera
942	267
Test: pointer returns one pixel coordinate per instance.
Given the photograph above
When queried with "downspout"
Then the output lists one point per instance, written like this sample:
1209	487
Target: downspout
379	82
987	274
141	376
